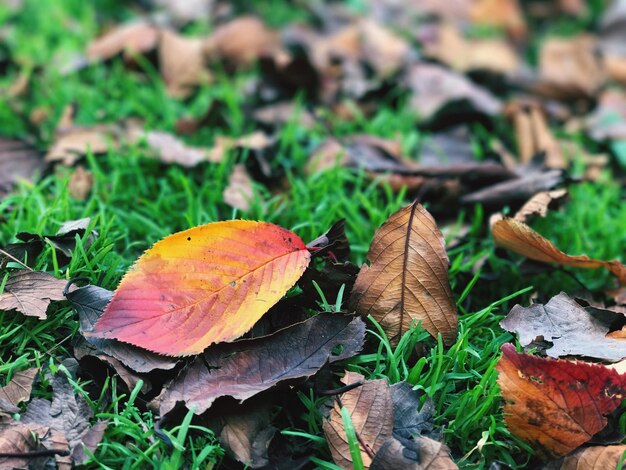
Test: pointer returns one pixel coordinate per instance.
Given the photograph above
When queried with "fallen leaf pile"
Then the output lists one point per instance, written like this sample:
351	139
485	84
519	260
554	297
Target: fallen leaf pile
223	319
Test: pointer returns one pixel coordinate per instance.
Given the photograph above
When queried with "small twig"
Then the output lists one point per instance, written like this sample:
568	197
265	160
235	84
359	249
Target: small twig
35	453
364	446
10	256
340	390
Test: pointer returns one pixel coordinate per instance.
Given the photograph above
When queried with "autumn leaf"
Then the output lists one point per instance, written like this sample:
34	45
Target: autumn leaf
245	368
556	405
407	280
521	239
371	411
594	458
205	285
572	329
30	292
17	390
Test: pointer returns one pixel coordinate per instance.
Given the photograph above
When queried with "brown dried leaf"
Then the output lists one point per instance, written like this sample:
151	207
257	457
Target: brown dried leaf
533	135
382	49
433	87
182	63
539	204
171	150
131	38
239	193
18	160
449	46
371	412
594	458
19	388
16	438
241	42
519	238
407	280
80	183
248	432
31	292
72	143
506	14
569	68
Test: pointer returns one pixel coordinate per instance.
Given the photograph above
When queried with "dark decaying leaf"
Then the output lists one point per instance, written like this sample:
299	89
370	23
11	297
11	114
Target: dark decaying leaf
17	390
333	240
248	432
515	191
30	292
245	368
90	302
63	241
65	419
422	454
572	329
371	411
18	160
407	279
410	418
556	405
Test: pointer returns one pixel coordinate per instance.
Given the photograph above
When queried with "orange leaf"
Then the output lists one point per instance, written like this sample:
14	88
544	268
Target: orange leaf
204	285
556	405
523	240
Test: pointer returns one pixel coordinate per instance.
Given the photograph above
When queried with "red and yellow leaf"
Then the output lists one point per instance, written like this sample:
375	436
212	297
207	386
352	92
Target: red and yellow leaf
556	405
205	285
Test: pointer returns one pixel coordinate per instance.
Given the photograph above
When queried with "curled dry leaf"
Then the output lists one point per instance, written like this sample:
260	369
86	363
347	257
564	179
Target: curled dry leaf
31	292
556	405
371	411
572	329
515	190
594	458
72	143
204	285
245	368
533	135
407	280
519	238
239	193
539	204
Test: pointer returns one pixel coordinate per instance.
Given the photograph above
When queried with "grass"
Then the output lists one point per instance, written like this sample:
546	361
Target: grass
135	201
